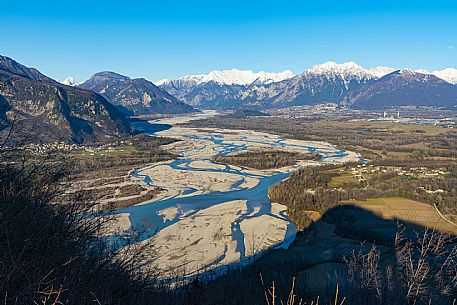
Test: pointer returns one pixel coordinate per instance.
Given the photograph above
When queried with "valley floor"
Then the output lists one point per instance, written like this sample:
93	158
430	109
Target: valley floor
209	215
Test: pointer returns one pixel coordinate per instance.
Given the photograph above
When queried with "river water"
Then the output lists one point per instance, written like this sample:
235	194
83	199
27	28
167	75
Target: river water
146	218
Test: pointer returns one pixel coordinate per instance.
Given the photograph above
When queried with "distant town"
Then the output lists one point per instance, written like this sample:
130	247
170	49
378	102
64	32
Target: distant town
403	115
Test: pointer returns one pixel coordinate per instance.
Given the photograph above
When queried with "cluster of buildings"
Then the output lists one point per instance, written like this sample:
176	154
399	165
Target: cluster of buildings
405	115
413	172
53	146
361	169
44	148
304	111
420	172
396	118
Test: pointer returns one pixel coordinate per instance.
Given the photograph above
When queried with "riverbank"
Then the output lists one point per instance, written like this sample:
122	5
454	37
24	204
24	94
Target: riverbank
216	214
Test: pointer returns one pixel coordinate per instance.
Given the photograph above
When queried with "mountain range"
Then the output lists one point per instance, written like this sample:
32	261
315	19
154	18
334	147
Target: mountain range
44	110
403	88
235	77
328	82
134	96
96	109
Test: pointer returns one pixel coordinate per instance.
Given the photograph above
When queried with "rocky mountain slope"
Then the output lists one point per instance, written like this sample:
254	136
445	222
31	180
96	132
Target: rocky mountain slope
448	74
233	77
328	82
320	84
10	67
135	96
44	110
221	89
403	88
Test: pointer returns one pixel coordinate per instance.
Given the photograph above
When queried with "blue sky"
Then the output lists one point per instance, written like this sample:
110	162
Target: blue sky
167	39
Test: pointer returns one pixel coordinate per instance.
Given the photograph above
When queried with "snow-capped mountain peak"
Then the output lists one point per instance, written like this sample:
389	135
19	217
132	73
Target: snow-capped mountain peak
333	66
70	81
380	71
234	77
347	71
448	74
327	82
422	71
161	82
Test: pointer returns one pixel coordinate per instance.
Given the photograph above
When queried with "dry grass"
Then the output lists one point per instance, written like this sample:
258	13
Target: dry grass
406	210
384	127
342	180
292	299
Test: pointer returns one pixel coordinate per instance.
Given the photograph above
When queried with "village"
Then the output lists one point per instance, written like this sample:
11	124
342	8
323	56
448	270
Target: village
414	172
44	148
